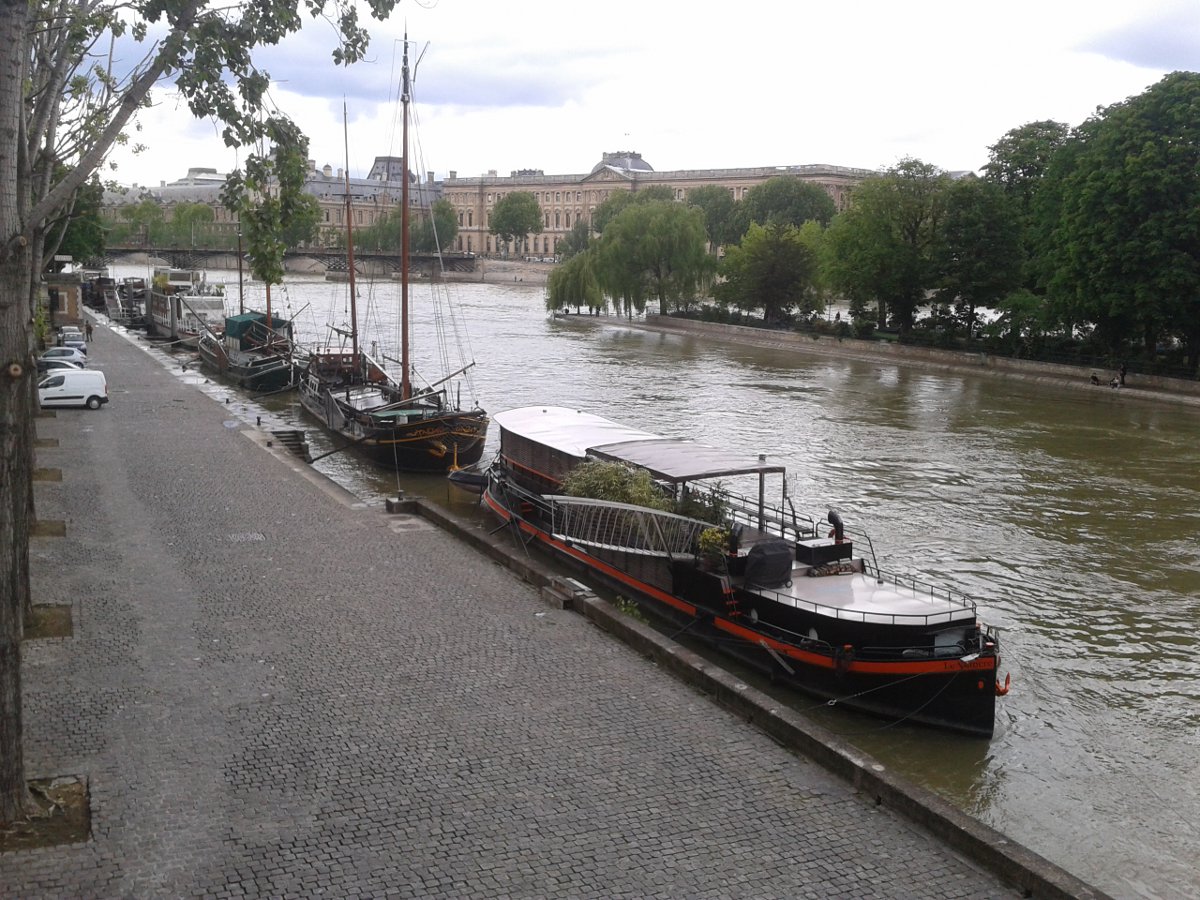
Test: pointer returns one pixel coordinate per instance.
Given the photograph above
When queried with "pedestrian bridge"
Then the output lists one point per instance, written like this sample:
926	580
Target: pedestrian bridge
311	261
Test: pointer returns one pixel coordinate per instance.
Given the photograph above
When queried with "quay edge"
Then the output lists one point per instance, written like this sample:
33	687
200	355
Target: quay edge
1141	387
1032	874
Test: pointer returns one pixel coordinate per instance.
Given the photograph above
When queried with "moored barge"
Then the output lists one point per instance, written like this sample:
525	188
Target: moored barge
782	592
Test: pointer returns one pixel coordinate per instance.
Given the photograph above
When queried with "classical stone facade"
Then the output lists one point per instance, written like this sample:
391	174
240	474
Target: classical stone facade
565	199
371	198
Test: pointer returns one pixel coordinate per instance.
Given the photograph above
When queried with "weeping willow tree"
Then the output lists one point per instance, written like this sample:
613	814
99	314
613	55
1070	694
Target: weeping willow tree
574	283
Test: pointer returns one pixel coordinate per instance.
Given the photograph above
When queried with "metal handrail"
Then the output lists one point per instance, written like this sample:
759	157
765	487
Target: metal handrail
603	523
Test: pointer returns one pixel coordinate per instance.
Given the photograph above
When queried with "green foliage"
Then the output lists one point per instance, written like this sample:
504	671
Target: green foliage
772	269
143	213
1019	160
41	326
881	250
616	483
515	216
783	200
268	197
382	235
717	205
1020	323
707	506
713	543
653	250
1018	163
577	241
574	283
436	232
433	233
303	224
621	200
1123	240
978	255
629	607
185	214
83	237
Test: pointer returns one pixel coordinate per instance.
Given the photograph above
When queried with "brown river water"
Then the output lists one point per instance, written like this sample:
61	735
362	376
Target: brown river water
1071	516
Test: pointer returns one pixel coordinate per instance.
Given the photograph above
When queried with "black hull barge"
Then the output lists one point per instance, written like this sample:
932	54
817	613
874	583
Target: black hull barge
782	592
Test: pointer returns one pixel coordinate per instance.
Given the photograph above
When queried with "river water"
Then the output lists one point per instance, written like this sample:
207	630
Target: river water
1072	516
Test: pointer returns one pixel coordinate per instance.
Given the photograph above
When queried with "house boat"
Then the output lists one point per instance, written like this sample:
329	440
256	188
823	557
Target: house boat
182	306
782	592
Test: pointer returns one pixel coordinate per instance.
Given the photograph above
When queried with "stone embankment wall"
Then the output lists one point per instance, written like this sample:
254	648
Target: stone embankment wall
1174	390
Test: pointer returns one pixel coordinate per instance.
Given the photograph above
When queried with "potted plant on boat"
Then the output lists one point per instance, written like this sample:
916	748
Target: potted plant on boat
713	546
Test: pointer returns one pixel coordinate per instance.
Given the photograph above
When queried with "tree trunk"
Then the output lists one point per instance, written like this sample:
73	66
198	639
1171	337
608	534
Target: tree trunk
17	370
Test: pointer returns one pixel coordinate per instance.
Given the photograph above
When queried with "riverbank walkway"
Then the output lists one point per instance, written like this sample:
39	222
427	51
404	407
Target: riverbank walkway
275	691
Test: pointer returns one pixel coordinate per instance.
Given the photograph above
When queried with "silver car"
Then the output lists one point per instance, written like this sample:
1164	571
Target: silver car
71	353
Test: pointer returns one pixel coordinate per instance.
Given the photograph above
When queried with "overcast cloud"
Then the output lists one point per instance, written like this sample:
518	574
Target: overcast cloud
550	85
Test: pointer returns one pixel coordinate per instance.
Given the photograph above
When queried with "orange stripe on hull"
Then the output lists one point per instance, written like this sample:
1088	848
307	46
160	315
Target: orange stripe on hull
592	562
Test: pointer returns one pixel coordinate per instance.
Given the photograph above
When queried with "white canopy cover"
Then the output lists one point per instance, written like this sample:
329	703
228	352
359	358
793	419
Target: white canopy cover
581	434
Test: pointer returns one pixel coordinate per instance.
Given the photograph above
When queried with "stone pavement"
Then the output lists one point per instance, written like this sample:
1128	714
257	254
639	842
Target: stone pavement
275	691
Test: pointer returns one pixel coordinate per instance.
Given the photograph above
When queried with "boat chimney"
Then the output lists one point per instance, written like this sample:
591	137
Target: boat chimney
839	529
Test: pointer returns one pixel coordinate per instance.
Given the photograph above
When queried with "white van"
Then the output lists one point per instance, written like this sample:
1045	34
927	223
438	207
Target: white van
66	387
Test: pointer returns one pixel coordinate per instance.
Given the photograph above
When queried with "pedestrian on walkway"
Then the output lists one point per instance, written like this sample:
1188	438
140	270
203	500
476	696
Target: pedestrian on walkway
87	331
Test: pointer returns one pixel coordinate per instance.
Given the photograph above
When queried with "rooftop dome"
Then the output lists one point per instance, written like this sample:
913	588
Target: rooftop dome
623	159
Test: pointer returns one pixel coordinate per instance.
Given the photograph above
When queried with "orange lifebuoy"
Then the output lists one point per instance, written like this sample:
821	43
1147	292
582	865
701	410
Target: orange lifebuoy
1001	691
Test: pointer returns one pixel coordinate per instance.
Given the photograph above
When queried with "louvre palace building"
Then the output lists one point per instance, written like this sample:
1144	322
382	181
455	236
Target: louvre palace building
563	199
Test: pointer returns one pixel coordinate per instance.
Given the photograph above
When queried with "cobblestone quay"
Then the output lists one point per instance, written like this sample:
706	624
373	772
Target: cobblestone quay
275	691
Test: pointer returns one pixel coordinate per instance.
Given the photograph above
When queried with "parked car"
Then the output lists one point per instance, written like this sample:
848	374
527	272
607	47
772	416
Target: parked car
77	343
49	365
70	353
82	387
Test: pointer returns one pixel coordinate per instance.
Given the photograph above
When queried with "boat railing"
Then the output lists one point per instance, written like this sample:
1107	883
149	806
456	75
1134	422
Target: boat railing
779	520
622	526
872	569
953	609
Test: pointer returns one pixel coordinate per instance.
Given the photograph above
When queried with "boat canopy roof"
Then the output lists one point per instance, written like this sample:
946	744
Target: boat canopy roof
236	326
668	459
677	460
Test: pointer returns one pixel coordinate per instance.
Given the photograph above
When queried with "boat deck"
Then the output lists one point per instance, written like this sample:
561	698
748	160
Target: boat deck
860	596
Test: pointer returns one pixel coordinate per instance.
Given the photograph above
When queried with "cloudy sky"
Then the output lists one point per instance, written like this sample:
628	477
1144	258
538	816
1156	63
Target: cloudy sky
551	85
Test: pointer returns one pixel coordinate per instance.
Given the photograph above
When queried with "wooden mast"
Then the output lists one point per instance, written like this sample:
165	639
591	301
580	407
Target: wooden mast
405	384
241	294
350	245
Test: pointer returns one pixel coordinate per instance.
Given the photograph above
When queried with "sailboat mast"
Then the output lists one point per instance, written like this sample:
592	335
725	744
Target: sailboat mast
405	384
350	245
241	295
